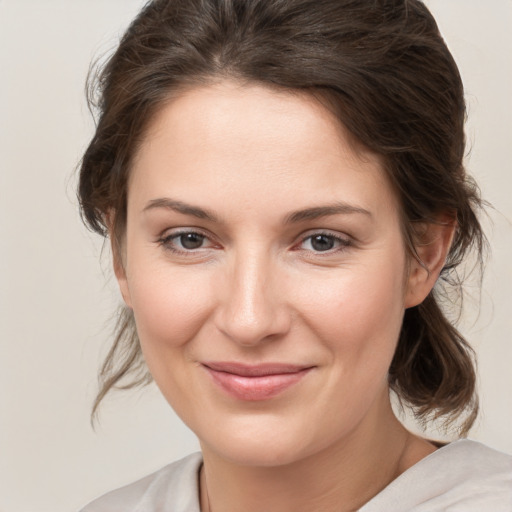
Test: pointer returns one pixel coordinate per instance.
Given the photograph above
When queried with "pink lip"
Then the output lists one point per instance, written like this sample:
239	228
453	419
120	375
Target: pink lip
255	382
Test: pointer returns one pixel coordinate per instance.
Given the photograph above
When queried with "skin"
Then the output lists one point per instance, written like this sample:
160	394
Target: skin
256	289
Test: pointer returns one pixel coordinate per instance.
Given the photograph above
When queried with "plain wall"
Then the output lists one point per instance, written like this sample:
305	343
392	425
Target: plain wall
56	299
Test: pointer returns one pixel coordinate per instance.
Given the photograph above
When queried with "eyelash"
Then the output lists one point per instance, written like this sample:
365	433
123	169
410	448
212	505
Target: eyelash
341	242
166	241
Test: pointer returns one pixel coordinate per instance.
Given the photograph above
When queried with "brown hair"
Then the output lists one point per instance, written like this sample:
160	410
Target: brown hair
383	67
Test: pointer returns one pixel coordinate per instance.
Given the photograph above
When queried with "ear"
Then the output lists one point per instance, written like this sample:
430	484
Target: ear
433	242
117	258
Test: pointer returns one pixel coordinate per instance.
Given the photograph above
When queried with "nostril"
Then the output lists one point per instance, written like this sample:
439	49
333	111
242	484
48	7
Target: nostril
251	326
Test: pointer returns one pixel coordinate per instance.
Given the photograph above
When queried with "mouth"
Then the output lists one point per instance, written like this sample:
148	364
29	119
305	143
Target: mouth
255	382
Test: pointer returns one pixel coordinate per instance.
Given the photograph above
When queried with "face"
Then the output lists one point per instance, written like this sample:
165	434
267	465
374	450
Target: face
265	266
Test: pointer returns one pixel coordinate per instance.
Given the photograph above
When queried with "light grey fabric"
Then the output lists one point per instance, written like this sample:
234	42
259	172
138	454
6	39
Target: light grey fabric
174	488
464	476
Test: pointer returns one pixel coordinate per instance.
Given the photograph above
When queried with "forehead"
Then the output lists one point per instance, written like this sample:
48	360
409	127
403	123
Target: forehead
250	143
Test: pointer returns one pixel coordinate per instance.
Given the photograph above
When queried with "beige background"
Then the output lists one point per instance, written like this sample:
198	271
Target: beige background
56	299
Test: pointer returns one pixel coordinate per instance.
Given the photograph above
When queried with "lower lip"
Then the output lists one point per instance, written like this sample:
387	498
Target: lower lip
256	388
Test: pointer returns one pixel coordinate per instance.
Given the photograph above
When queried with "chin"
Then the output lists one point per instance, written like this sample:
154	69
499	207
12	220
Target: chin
255	453
259	443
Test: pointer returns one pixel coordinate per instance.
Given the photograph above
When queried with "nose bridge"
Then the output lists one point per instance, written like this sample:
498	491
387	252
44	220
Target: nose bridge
254	305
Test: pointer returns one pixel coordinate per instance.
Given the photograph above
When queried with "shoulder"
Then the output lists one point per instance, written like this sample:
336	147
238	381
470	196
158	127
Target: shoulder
464	476
174	485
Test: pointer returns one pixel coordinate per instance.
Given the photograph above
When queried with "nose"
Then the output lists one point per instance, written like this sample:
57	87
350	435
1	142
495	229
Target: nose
253	306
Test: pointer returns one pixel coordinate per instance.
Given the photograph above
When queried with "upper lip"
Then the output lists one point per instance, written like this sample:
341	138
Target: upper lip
254	370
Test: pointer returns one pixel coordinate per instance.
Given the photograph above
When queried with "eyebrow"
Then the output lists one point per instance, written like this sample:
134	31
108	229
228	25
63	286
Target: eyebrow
181	207
316	212
324	211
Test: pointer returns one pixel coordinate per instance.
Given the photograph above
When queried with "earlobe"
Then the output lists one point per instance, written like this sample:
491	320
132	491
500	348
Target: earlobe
117	259
432	247
122	281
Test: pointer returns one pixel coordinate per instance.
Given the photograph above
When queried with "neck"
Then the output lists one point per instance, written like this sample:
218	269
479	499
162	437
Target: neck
341	478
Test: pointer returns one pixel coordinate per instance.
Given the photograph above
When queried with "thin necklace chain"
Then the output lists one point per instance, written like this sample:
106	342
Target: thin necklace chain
207	496
207	493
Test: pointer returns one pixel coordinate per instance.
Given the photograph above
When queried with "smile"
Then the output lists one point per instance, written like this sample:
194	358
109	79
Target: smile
255	382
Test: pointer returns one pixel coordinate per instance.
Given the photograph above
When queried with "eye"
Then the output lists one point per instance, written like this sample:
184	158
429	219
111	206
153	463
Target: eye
324	242
185	241
190	241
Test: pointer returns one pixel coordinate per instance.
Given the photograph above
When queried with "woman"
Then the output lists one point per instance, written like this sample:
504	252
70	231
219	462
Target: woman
283	187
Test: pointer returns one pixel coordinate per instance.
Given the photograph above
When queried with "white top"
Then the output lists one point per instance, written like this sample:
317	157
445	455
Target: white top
464	476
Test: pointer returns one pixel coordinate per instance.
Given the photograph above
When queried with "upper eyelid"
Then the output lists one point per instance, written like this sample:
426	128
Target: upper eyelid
172	232
326	232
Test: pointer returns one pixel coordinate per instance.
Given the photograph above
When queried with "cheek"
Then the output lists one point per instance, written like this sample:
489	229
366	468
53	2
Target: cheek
358	315
169	305
358	323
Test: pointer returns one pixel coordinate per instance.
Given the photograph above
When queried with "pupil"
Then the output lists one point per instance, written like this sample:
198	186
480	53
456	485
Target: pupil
191	240
322	243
